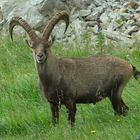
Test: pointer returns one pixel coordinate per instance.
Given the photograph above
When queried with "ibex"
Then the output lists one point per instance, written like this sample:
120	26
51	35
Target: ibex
70	81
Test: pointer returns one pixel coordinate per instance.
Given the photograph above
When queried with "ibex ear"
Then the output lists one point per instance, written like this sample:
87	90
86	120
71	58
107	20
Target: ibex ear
29	43
51	41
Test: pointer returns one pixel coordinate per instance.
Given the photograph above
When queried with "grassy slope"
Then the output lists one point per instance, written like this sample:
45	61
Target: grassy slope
25	114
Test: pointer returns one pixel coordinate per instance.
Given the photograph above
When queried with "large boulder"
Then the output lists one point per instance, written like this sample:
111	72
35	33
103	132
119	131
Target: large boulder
117	16
27	9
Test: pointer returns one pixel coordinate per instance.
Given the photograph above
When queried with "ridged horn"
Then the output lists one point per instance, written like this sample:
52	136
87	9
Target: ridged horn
19	21
49	27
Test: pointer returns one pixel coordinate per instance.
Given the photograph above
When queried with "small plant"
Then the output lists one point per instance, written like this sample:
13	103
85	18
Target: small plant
100	42
86	39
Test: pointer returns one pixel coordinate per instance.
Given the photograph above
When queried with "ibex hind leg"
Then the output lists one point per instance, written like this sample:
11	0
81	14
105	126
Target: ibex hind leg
71	109
118	104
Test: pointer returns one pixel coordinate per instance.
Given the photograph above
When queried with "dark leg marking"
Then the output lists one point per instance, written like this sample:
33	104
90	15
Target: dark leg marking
71	107
55	112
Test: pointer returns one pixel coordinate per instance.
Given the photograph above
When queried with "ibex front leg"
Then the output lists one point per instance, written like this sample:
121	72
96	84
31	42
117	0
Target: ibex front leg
55	112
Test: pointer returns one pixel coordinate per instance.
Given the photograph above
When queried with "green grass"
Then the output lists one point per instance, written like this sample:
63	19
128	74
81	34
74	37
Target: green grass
25	113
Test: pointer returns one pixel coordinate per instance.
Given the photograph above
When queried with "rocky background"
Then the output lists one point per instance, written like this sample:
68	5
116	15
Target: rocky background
119	19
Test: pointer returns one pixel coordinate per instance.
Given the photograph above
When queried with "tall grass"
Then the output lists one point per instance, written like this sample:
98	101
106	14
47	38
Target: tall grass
25	113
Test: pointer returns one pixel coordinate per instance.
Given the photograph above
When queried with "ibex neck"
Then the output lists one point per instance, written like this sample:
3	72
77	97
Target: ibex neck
49	71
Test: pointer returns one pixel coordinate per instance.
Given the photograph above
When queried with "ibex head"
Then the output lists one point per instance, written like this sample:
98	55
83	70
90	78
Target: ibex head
40	46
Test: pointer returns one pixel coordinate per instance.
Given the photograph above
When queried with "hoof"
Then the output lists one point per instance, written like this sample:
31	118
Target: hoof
122	111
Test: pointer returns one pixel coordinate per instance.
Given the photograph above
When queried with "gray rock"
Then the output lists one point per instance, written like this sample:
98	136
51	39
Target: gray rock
137	17
78	27
114	5
98	2
133	4
92	16
118	37
131	10
129	23
26	9
132	30
91	7
123	10
126	16
74	16
105	18
47	7
125	5
84	13
91	23
138	10
95	29
81	4
59	31
98	9
119	15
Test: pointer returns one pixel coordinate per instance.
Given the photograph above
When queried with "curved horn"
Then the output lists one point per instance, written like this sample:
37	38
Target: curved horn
59	16
19	21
